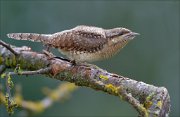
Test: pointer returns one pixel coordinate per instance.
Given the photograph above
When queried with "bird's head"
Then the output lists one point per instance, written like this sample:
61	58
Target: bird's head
121	35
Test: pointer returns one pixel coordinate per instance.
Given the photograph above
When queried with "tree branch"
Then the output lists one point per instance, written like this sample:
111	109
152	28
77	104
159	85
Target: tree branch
147	99
8	47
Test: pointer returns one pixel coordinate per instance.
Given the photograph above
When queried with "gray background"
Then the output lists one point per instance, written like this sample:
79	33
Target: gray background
152	57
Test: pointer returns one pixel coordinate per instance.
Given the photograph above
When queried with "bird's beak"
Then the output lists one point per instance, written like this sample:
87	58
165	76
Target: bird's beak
134	33
131	35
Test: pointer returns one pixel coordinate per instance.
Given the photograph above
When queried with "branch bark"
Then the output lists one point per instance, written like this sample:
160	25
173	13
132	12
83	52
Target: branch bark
147	99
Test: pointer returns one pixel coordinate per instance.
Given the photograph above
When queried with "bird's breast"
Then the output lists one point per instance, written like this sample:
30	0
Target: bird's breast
82	56
106	52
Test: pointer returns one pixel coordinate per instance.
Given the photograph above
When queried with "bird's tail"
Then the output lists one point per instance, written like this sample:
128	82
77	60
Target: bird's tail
30	36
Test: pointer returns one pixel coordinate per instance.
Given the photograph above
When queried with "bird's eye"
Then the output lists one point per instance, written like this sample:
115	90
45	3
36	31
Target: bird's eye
124	31
111	33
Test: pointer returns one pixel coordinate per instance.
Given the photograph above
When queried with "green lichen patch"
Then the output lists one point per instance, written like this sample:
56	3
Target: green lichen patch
111	88
14	61
9	79
143	110
103	77
64	75
10	61
148	102
159	104
3	75
7	62
10	82
10	104
18	69
1	59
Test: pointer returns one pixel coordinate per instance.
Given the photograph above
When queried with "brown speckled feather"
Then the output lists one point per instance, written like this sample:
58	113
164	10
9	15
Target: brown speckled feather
81	38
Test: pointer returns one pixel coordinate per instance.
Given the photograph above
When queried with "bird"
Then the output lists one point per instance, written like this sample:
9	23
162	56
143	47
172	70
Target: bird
83	43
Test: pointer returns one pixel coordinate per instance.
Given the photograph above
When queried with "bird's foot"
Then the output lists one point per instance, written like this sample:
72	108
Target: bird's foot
47	48
51	56
85	64
73	62
48	54
61	58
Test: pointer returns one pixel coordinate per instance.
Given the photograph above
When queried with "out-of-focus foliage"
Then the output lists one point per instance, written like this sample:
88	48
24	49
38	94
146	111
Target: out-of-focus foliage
152	57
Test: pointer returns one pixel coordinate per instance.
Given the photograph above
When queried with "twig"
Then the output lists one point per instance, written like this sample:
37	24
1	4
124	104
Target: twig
58	94
40	71
135	103
8	47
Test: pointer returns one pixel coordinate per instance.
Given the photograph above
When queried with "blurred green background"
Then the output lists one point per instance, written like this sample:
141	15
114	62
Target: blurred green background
152	57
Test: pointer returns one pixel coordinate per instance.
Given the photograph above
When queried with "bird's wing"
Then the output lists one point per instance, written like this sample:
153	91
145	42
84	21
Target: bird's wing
82	39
